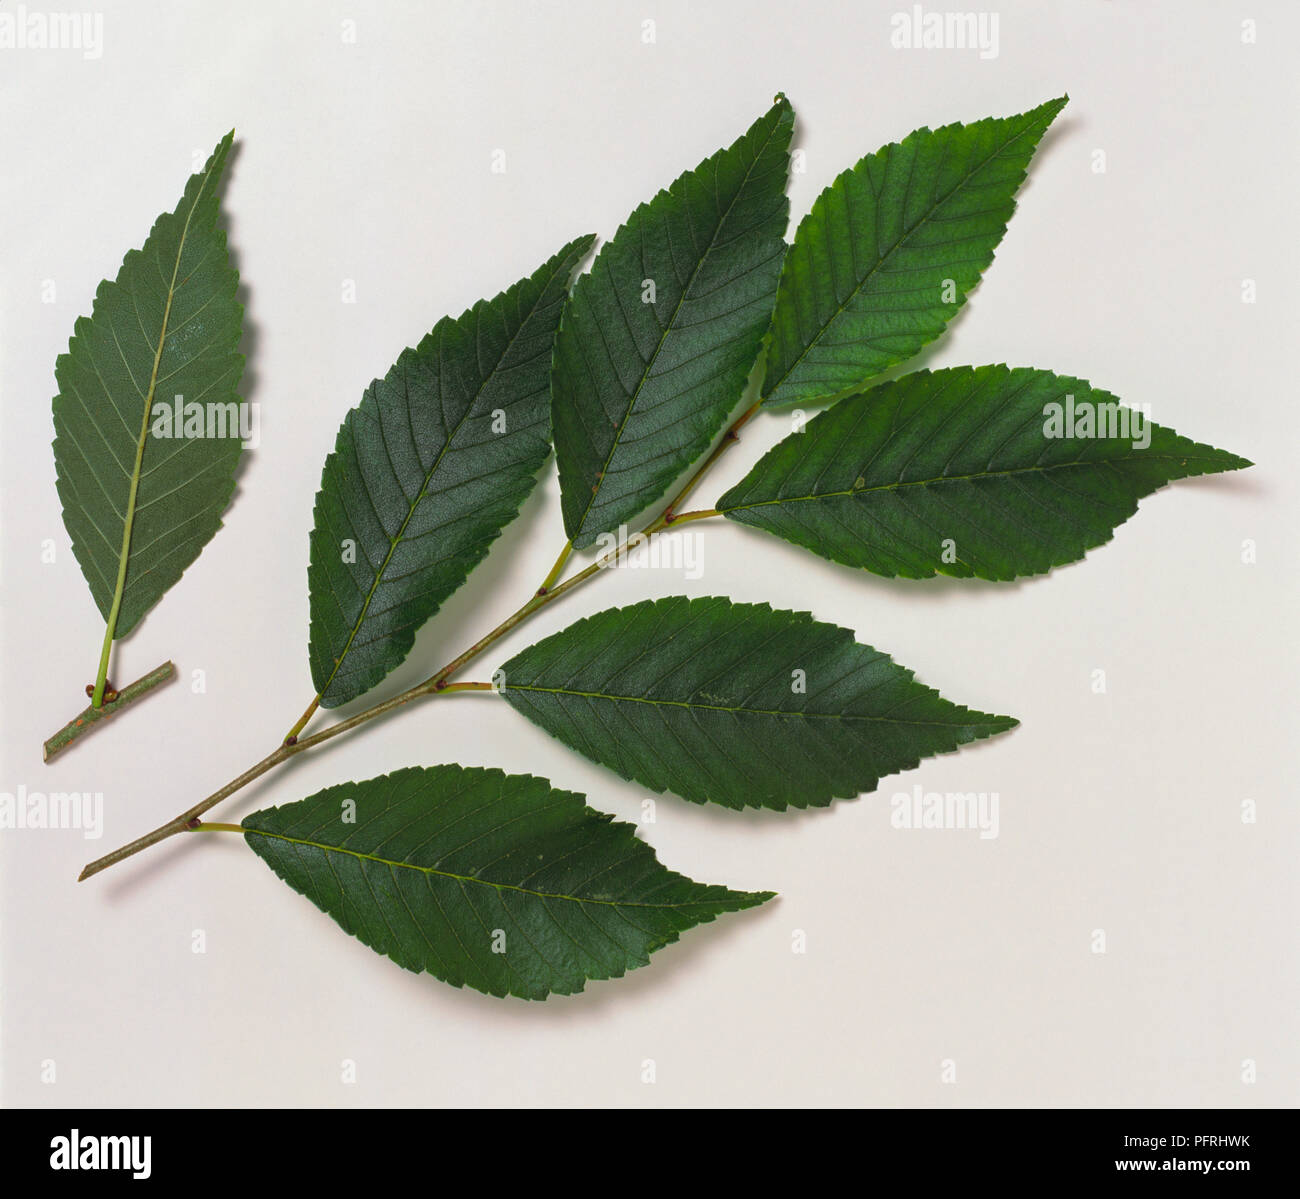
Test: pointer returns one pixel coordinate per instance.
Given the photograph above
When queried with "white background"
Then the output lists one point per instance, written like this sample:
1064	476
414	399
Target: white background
1121	812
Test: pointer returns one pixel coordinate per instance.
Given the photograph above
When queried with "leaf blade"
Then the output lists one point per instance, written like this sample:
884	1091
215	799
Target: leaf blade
698	697
141	498
425	474
868	281
881	480
641	388
440	872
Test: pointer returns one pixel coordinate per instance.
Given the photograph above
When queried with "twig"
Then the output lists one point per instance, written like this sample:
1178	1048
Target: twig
435	684
83	722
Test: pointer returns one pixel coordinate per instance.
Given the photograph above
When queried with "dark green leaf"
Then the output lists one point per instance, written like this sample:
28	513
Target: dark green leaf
889	251
735	704
426	472
142	497
491	880
954	472
642	386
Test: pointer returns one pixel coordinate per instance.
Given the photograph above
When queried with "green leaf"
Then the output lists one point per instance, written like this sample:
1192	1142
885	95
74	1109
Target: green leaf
140	496
887	255
642	385
426	472
491	880
962	472
735	704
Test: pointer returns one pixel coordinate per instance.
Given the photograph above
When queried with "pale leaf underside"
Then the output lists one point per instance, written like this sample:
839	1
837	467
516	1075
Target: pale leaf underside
168	326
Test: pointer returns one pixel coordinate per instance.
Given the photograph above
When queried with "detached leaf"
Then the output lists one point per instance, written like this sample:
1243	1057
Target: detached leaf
735	704
426	472
887	255
143	492
661	335
982	471
491	880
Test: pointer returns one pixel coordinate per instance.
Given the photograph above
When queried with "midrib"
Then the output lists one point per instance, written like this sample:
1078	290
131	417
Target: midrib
898	485
692	706
128	521
468	878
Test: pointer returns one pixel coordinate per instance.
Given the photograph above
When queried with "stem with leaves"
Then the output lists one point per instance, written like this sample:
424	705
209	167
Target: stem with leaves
438	683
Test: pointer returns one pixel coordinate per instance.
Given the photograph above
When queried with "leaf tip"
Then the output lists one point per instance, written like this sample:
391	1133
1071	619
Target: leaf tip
1050	109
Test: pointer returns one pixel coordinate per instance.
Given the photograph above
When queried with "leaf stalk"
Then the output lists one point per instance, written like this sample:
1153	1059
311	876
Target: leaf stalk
557	570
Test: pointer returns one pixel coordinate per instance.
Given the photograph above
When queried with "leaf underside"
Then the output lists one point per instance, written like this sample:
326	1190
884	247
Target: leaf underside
169	325
426	472
887	254
953	472
735	704
642	388
483	879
